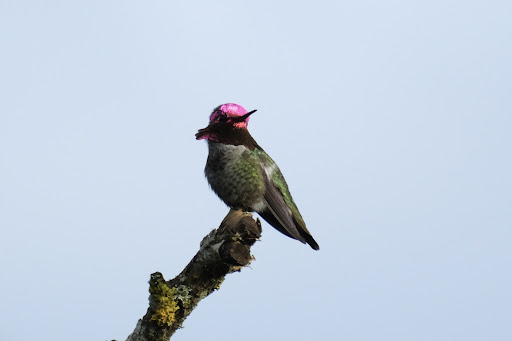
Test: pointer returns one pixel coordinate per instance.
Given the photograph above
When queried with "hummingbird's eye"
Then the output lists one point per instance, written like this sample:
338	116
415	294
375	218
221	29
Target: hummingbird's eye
222	118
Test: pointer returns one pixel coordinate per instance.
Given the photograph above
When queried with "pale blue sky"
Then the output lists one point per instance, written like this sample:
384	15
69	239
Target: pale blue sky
391	121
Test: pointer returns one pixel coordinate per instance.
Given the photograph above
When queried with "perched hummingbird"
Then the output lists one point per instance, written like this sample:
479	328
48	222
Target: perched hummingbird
245	177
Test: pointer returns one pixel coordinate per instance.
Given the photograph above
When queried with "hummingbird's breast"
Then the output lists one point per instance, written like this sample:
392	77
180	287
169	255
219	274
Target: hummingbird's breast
235	175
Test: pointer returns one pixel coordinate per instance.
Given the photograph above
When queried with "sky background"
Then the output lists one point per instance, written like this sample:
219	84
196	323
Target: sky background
391	121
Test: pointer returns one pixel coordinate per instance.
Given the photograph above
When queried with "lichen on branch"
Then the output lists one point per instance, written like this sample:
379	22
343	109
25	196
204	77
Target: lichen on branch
222	251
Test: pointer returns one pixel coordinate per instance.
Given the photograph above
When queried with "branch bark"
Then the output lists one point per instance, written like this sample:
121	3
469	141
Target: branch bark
222	251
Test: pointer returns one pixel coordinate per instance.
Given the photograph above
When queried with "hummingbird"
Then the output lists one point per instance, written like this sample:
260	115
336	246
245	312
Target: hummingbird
245	177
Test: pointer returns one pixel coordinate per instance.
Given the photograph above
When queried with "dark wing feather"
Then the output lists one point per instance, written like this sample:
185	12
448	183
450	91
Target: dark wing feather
278	184
281	217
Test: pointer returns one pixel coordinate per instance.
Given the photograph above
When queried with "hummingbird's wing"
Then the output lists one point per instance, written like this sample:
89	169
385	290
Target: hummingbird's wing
282	213
277	212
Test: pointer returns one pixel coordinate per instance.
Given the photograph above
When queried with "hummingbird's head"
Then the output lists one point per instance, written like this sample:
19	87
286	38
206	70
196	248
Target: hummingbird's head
227	119
231	113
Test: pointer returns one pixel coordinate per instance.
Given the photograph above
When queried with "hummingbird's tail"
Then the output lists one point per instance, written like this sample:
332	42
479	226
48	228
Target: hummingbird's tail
305	234
310	240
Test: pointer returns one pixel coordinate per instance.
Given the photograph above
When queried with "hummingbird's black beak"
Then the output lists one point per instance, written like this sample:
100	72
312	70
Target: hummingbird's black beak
243	118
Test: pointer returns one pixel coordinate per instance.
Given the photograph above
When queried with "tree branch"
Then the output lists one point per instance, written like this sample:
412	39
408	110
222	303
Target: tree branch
222	251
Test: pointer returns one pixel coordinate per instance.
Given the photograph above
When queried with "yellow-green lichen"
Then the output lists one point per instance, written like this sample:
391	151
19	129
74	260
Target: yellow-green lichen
165	305
166	302
165	315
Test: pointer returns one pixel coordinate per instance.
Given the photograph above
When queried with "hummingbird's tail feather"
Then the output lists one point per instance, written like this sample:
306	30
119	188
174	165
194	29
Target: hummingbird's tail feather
305	234
311	241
